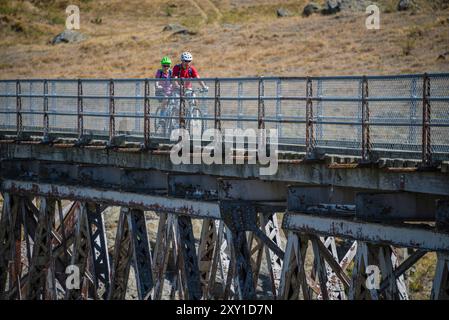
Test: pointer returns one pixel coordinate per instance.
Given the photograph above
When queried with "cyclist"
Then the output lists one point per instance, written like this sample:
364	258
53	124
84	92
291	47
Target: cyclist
164	87
186	70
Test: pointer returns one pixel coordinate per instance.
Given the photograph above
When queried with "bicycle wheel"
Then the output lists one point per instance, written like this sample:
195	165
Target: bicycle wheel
195	123
173	122
159	123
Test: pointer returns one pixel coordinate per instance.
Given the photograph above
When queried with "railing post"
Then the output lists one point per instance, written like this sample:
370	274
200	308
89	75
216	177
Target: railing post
366	141
137	106
412	116
182	106
261	105
319	126
217	111
146	115
31	105
279	106
19	123
239	104
111	112
80	110
426	142
53	102
46	122
310	138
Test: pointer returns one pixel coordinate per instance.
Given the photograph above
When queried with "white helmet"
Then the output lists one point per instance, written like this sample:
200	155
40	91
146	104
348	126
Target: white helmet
186	56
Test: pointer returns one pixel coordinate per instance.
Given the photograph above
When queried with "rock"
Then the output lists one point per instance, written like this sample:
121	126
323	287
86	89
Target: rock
404	5
331	7
311	8
354	5
177	29
281	12
69	36
231	26
29	7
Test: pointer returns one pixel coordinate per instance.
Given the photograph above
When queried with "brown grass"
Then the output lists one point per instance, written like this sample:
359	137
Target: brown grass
129	42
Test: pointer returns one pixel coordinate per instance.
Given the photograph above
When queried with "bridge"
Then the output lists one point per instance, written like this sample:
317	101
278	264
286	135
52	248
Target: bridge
361	186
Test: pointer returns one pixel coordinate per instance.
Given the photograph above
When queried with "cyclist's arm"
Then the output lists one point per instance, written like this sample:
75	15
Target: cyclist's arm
203	85
156	84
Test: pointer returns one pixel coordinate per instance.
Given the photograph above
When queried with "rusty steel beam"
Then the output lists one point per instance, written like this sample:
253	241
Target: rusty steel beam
310	133
234	215
122	258
400	235
389	206
99	248
440	288
426	129
251	190
193	186
146	116
141	253
156	203
366	141
217	106
88	175
42	251
301	197
377	179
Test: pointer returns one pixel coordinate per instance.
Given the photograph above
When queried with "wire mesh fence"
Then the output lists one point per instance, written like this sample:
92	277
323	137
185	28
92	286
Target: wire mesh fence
367	116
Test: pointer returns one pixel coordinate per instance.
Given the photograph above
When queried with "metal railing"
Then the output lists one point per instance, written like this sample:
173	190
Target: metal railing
403	116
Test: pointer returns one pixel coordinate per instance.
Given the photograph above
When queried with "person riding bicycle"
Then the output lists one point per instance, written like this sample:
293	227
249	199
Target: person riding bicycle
186	70
164	88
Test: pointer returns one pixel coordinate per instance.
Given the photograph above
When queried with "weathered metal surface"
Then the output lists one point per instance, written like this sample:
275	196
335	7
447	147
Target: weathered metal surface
81	250
300	197
42	255
188	259
145	181
141	253
395	206
293	278
251	190
206	253
401	235
440	289
122	258
442	215
234	217
6	240
365	257
310	132
270	225
161	253
144	201
431	182
99	248
384	258
337	280
192	186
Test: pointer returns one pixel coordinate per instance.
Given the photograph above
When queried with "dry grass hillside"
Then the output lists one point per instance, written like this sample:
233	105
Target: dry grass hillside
232	38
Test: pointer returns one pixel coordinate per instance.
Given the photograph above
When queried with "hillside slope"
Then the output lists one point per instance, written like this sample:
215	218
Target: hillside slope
232	38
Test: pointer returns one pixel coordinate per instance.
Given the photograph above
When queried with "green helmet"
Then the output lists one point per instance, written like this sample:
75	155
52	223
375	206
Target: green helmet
165	60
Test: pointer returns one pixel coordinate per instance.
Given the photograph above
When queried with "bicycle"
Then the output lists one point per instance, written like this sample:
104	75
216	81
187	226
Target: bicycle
193	113
167	121
165	117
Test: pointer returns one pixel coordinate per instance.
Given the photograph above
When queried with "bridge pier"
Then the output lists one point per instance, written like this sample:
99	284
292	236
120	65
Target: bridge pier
377	273
222	234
